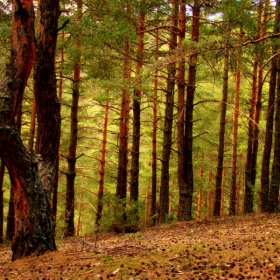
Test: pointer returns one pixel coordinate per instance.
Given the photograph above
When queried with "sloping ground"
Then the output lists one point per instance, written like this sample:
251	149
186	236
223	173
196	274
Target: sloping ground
231	248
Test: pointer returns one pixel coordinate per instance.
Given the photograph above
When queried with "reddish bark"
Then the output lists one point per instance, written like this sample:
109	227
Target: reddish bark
33	231
47	103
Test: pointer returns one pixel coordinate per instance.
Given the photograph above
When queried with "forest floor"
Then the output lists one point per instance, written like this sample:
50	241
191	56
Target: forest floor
227	248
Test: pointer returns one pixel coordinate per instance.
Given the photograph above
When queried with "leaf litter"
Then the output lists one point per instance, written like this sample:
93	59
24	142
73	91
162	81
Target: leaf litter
246	247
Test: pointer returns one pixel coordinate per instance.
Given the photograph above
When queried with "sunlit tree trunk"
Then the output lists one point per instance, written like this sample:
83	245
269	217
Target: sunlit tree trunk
220	159
189	112
168	120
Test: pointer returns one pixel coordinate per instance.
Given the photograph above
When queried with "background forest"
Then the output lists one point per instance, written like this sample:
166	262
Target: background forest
169	110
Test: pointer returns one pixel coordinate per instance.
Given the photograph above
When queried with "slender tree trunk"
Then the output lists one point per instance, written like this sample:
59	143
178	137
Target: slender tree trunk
154	141
189	112
264	193
168	120
2	172
220	160
135	150
181	116
55	188
72	157
233	190
102	169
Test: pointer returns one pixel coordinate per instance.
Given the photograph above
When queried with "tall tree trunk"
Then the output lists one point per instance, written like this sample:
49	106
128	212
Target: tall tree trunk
102	169
72	157
154	141
2	172
168	120
55	188
273	201
121	190
33	231
233	188
264	193
252	145
135	150
181	116
189	112
220	159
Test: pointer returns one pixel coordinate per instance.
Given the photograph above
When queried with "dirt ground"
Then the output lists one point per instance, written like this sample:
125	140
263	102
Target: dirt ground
230	248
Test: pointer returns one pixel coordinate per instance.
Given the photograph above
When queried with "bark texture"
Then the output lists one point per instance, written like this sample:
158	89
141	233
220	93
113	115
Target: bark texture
181	115
189	113
168	120
33	231
72	157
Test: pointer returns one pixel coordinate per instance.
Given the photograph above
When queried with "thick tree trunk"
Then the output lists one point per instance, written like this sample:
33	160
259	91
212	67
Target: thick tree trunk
102	169
168	120
220	159
33	232
71	158
181	116
189	112
135	150
265	173
233	188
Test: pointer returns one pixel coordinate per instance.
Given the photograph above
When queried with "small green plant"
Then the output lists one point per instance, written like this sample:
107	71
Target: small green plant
138	234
